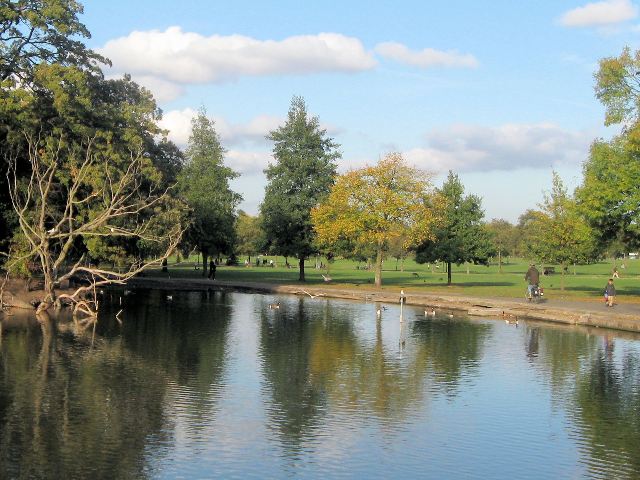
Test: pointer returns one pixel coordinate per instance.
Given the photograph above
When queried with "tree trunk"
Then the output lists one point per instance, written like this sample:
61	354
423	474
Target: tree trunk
301	263
205	257
467	268
49	279
499	260
563	268
448	273
49	289
378	276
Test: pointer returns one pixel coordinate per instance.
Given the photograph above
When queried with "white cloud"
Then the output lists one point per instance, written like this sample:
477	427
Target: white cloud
606	12
178	123
246	162
190	58
425	58
473	148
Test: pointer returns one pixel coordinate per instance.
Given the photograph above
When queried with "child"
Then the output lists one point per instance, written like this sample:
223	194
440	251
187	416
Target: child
609	293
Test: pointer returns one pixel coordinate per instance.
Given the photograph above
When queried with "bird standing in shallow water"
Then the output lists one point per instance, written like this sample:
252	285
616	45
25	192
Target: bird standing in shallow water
430	313
274	306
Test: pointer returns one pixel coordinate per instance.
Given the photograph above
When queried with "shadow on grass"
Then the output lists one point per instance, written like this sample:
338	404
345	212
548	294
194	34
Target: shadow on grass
600	290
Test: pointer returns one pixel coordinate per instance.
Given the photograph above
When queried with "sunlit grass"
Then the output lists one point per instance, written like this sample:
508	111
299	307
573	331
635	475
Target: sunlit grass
583	282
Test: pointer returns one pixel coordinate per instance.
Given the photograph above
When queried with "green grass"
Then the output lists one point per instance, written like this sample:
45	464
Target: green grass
587	283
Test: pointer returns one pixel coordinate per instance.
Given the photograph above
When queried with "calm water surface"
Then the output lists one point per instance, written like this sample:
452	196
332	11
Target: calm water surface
221	386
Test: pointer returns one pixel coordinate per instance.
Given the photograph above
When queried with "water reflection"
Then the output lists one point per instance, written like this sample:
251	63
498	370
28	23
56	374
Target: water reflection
73	411
213	384
608	410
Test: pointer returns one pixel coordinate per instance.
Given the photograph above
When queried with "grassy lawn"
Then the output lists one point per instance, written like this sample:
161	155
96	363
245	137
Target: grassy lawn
587	282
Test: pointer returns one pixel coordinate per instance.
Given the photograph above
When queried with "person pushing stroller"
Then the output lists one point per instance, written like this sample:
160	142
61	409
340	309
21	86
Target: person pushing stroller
533	277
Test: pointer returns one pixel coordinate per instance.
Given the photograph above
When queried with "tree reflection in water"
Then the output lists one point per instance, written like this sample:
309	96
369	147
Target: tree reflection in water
323	375
315	362
600	389
73	410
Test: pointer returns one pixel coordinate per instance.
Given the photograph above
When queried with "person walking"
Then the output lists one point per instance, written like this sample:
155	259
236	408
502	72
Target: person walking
610	293
212	270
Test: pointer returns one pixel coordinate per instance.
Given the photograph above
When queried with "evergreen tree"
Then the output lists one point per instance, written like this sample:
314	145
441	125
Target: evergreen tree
204	185
300	178
461	236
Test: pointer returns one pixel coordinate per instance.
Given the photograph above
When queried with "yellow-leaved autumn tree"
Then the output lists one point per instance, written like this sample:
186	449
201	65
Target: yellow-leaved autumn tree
371	206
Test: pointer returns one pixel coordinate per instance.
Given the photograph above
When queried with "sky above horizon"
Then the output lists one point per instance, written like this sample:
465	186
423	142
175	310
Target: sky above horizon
499	92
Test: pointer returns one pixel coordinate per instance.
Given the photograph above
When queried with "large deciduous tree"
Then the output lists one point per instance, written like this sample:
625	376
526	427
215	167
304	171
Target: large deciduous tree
204	185
618	87
609	196
504	235
461	236
300	178
33	32
72	104
371	207
249	236
563	235
78	192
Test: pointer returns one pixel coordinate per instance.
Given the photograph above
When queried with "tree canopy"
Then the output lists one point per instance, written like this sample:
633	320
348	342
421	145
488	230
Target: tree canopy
618	87
371	207
249	236
34	32
504	237
300	178
563	236
204	186
609	196
461	235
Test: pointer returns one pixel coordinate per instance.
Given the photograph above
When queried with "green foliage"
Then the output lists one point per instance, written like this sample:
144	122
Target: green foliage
19	262
249	235
461	235
204	186
370	208
609	196
618	87
299	179
504	236
34	32
563	235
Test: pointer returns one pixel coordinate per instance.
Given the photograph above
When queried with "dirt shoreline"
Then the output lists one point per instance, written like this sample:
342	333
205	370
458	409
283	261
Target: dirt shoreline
472	306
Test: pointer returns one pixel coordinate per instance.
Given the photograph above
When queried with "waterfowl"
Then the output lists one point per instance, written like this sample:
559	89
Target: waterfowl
274	306
430	313
169	297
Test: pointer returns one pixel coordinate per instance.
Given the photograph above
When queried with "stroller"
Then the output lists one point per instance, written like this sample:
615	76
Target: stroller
535	294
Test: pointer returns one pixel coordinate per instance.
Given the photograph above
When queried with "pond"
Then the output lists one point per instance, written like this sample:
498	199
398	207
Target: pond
220	385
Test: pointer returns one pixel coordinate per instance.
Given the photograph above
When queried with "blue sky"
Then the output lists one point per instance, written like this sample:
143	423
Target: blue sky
500	92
